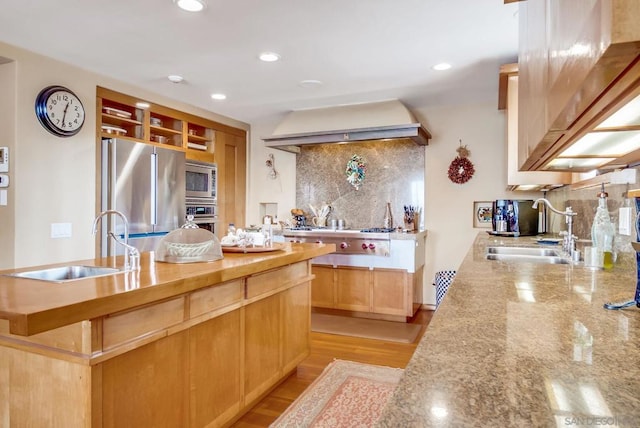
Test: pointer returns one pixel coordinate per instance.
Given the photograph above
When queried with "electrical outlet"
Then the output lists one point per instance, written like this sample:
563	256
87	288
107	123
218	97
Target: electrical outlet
624	221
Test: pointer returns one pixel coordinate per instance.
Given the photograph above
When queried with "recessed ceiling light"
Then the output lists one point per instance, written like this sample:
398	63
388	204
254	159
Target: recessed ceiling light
219	96
269	57
175	78
442	66
191	5
142	104
310	83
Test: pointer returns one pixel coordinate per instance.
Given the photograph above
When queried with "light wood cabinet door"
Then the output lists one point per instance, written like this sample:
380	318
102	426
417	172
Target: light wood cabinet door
323	287
215	370
296	325
147	387
353	289
577	64
231	157
262	346
391	292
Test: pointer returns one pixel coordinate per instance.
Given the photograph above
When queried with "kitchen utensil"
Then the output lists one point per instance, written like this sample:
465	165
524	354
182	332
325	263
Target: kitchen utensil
319	221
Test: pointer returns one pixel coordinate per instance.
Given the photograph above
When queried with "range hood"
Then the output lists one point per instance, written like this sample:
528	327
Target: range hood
378	121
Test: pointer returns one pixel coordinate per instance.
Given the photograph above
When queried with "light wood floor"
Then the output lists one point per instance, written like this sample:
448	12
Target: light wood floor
324	349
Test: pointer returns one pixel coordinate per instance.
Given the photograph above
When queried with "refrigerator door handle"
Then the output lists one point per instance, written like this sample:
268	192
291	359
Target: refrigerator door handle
154	188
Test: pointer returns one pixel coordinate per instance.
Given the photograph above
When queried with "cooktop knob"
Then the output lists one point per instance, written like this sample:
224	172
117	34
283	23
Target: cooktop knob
372	246
343	245
364	246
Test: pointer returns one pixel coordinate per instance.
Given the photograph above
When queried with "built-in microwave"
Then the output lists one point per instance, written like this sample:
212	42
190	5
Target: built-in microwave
201	180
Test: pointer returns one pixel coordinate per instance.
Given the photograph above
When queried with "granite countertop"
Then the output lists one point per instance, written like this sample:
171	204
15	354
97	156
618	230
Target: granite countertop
32	306
524	344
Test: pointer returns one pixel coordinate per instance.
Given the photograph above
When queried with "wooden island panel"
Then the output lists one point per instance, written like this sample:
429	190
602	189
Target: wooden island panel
147	386
215	371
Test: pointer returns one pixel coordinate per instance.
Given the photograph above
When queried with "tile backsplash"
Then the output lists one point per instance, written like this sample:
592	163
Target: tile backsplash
394	173
584	202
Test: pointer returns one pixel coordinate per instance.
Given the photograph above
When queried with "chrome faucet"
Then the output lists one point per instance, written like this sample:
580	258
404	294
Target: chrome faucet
131	254
569	240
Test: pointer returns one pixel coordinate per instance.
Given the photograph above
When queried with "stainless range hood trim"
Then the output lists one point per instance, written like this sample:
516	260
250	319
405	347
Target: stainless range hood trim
413	131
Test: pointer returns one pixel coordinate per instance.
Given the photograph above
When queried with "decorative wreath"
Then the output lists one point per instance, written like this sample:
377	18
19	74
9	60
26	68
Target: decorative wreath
461	169
355	171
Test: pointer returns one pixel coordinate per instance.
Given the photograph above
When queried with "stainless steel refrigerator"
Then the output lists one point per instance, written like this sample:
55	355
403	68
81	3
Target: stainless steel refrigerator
147	184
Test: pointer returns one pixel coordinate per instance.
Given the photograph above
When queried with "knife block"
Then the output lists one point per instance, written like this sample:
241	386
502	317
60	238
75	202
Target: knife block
411	222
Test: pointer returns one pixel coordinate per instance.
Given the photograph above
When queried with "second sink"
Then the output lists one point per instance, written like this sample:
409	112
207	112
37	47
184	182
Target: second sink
527	254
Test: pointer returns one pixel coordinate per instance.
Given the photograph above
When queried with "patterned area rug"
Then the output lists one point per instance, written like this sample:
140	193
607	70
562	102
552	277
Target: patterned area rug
346	394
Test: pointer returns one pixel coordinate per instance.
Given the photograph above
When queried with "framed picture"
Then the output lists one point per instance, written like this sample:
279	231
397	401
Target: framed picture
482	213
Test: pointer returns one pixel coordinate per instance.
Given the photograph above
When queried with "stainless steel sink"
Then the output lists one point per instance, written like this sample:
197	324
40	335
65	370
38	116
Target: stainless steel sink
67	273
527	254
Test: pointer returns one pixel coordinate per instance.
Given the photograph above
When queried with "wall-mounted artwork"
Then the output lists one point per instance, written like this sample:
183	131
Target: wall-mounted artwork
482	213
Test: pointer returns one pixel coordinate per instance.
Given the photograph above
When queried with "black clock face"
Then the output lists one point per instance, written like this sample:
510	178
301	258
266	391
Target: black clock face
59	111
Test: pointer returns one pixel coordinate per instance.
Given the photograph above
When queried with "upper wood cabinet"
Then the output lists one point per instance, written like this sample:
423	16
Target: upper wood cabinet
508	101
578	64
122	116
231	156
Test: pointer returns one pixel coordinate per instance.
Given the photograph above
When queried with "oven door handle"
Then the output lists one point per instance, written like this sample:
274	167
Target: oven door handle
205	219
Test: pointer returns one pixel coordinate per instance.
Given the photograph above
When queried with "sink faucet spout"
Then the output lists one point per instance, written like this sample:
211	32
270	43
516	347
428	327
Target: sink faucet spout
131	254
569	241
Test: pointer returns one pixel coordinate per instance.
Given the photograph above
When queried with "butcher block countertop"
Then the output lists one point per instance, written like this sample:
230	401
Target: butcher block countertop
524	344
34	306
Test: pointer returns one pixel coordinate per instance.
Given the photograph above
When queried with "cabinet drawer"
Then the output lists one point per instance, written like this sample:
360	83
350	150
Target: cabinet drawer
272	280
125	326
216	297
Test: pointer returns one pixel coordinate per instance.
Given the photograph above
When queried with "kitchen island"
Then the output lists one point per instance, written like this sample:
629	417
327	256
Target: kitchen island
186	345
525	344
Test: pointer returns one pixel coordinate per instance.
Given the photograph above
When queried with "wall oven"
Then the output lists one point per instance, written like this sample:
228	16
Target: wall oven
201	180
204	212
201	186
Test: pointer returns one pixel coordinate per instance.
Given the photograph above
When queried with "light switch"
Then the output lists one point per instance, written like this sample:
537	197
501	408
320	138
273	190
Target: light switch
61	230
3	197
624	221
4	159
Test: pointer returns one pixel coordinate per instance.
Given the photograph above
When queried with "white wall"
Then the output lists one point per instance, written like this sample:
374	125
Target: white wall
262	189
53	179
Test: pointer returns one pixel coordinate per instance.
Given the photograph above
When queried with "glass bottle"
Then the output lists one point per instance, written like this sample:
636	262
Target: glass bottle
231	230
388	217
602	230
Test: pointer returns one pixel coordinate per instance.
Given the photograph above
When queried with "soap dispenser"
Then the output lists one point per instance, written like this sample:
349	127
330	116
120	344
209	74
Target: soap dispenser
602	230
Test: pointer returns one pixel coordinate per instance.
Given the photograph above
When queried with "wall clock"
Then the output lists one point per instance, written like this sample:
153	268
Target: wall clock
59	111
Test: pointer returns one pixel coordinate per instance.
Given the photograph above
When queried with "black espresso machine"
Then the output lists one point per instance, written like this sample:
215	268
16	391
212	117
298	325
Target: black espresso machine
514	217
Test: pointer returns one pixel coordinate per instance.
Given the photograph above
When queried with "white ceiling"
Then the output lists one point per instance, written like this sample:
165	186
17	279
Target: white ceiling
362	50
